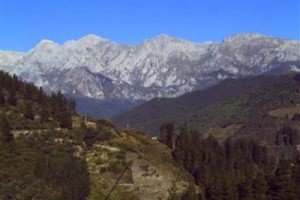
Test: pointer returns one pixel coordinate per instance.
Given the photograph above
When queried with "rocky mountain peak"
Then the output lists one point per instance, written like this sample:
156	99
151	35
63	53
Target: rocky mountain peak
88	41
46	44
163	37
242	37
91	39
160	67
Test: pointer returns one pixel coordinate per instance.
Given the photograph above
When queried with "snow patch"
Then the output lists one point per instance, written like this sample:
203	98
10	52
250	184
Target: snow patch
233	69
295	69
221	77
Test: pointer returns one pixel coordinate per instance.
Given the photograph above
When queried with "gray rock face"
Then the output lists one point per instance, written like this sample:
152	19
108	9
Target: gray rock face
160	67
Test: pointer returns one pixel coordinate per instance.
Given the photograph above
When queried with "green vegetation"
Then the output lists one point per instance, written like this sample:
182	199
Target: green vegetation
237	169
207	105
37	167
34	164
26	106
244	147
251	109
47	151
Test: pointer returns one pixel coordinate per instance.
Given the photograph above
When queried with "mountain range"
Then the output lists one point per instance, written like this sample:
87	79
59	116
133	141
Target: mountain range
114	77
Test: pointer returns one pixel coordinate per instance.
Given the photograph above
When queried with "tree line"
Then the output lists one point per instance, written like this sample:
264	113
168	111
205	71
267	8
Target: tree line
236	168
33	102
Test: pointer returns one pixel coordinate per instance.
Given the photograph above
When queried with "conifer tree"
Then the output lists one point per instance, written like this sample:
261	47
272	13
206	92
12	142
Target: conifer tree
2	99
29	114
181	152
65	119
228	189
167	134
12	99
44	115
5	130
281	185
296	179
245	190
260	186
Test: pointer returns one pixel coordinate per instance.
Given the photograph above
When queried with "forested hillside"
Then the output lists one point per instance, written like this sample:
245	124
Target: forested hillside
237	168
150	115
245	147
33	165
47	151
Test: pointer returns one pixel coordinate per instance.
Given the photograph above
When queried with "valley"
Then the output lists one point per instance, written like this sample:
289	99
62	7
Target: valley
149	100
204	132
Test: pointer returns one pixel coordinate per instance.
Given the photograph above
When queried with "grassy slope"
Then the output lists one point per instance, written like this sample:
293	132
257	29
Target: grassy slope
151	169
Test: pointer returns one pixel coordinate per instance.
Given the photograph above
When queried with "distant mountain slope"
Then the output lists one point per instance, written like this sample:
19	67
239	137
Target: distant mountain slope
164	66
209	107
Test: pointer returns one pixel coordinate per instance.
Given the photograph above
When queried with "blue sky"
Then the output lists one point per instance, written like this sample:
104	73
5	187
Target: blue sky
23	23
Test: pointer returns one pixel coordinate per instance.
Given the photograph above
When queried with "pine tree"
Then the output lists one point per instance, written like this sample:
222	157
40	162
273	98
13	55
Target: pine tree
29	114
260	186
228	189
281	185
167	134
2	99
278	138
5	130
293	137
12	99
44	115
296	180
181	153
65	119
40	96
245	190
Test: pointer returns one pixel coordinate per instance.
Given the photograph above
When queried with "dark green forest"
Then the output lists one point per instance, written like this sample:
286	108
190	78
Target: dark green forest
236	168
34	165
27	105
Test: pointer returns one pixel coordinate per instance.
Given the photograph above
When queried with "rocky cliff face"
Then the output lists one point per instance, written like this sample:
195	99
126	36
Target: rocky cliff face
160	67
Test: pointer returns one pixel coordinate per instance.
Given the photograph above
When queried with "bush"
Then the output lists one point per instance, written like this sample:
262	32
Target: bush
115	166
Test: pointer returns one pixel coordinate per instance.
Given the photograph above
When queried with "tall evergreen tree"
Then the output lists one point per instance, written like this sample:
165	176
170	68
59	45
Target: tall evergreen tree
245	190
2	99
296	179
182	151
5	130
44	115
28	113
65	119
281	185
12	99
167	135
260	186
